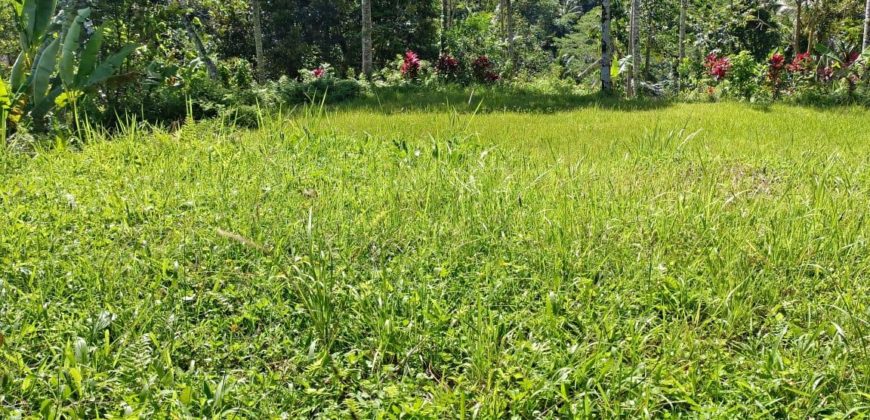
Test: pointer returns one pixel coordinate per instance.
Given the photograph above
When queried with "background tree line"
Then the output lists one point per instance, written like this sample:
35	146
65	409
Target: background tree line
530	34
635	46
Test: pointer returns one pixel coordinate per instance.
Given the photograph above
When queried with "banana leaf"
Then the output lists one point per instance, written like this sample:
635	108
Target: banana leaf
42	70
45	10
16	79
107	68
28	19
70	46
88	59
35	18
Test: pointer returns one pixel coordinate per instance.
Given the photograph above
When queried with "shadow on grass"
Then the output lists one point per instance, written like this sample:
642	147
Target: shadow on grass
391	100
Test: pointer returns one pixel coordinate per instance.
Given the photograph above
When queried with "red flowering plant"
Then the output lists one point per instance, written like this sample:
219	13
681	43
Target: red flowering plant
410	65
801	63
717	67
775	66
448	67
801	70
484	70
321	72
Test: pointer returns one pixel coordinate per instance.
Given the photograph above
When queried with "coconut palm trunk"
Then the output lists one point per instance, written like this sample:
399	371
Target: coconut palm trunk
650	35
684	5
796	42
367	37
508	22
866	43
445	23
630	86
258	41
606	47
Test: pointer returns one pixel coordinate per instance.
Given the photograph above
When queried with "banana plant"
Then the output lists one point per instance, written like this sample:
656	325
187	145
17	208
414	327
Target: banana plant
32	21
54	69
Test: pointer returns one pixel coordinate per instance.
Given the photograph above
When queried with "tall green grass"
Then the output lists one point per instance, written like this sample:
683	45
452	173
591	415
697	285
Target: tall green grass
705	260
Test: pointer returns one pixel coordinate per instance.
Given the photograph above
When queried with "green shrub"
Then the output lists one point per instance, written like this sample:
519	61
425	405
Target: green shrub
56	67
245	116
744	78
336	90
236	73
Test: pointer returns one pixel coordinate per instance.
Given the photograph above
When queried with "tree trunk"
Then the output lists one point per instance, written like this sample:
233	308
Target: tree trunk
445	11
810	40
866	26
606	48
367	37
258	42
650	34
200	48
508	12
633	48
684	5
796	43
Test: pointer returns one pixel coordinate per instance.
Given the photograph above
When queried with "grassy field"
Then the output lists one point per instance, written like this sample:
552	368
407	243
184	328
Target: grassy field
402	257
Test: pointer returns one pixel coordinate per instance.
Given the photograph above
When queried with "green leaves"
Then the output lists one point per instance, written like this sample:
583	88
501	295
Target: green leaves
16	79
51	75
70	45
45	10
34	18
88	58
107	68
28	19
5	96
43	68
5	104
17	5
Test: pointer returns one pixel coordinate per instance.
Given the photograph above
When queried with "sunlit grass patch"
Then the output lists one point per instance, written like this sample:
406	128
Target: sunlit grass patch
706	259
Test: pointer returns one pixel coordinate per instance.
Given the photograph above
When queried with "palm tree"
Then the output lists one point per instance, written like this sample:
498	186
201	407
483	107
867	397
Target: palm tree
803	20
606	47
793	9
573	7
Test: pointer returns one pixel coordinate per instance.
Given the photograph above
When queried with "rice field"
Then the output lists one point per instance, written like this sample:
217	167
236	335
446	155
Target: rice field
445	257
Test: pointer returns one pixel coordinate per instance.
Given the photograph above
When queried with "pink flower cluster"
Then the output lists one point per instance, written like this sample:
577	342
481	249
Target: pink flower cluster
801	63
775	66
718	67
411	65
